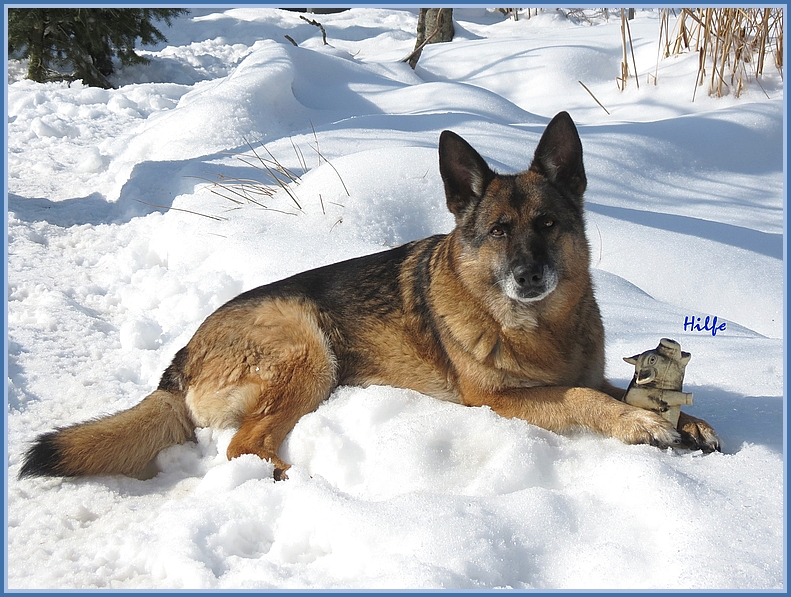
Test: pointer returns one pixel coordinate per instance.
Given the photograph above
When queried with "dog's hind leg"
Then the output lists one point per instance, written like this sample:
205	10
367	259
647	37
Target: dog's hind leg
279	407
295	377
267	366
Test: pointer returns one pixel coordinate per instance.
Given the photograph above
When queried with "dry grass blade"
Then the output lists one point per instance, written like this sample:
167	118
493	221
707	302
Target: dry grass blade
273	172
300	156
321	157
171	208
238	191
275	177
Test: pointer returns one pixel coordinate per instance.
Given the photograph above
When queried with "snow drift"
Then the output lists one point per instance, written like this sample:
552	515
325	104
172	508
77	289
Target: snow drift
119	246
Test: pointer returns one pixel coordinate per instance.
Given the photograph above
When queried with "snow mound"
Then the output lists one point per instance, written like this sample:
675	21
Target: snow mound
130	221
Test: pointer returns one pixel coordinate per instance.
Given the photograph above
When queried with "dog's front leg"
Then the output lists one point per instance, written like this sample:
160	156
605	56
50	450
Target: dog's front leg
696	433
562	409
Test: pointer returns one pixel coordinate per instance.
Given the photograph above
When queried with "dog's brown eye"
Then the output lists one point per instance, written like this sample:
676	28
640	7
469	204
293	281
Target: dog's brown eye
497	231
549	223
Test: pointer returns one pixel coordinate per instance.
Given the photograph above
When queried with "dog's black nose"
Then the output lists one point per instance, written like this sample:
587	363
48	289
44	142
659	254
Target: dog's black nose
531	276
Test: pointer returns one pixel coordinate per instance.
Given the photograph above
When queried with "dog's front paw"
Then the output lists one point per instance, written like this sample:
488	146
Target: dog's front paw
697	434
640	426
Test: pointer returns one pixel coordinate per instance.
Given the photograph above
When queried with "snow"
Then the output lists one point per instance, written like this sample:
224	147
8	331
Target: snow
119	246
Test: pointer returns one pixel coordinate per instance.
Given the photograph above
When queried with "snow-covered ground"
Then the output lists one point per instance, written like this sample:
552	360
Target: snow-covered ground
119	246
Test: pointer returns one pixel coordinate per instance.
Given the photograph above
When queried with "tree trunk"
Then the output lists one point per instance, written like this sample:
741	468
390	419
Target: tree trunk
434	25
438	18
36	69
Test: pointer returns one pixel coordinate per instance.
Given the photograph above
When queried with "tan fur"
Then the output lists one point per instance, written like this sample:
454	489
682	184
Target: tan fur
561	409
260	369
494	344
701	433
97	447
520	370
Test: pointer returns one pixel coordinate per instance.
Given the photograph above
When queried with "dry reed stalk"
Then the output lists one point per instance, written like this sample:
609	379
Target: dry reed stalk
732	42
585	87
624	64
664	26
626	34
631	48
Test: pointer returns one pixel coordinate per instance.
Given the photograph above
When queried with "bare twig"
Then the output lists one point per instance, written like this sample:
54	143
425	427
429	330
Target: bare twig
315	23
291	39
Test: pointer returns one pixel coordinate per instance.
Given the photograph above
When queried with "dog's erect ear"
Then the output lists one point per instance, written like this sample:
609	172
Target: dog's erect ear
559	156
464	172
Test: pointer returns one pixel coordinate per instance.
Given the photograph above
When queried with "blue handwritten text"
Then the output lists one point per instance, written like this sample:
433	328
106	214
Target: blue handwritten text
710	324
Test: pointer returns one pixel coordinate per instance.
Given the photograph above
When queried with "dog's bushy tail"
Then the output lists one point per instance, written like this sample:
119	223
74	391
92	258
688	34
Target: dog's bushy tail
123	443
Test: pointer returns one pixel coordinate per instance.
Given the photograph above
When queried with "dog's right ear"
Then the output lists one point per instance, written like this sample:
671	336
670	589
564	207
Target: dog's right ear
464	172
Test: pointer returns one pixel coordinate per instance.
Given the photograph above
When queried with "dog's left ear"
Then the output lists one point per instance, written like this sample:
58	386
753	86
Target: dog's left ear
464	173
558	156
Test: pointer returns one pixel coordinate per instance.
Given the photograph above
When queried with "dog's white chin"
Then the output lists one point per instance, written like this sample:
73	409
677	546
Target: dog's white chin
511	288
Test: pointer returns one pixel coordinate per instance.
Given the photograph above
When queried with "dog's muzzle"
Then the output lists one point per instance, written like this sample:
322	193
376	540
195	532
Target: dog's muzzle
530	283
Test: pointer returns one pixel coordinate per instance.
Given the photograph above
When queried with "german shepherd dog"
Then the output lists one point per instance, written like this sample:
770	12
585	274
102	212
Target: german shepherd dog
499	313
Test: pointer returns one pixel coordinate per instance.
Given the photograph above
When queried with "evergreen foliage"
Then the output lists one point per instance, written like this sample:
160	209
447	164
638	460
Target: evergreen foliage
80	43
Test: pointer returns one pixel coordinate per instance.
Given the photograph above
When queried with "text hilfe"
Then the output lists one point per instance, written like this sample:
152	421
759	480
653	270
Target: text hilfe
693	324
